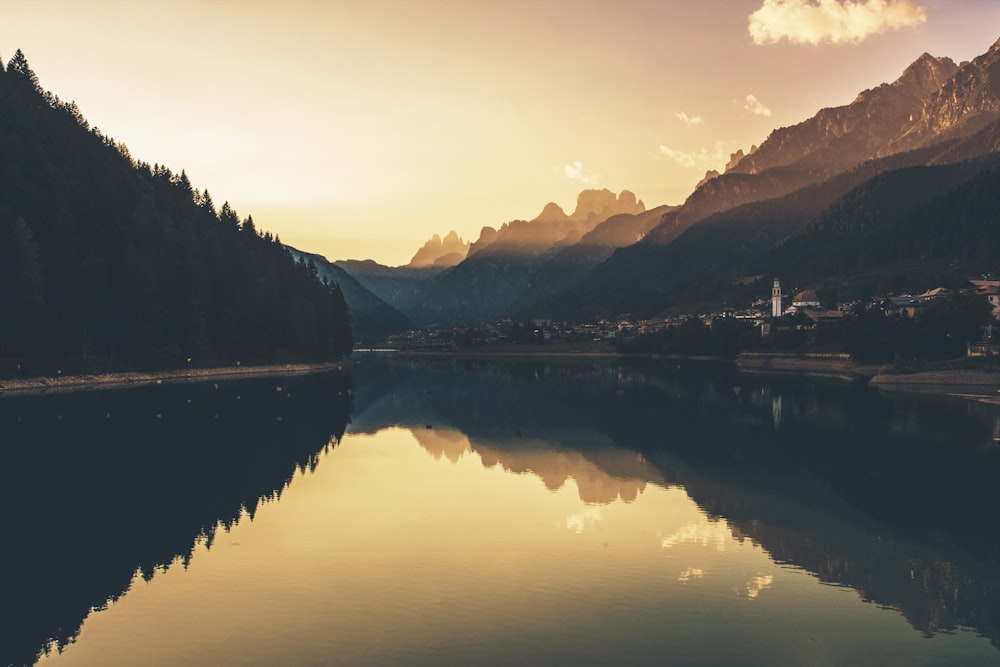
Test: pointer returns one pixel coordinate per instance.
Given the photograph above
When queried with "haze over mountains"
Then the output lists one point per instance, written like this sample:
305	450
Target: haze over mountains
862	169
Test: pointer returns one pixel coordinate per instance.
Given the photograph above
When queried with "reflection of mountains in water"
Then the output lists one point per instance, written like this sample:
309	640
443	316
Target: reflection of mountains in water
887	494
99	485
601	475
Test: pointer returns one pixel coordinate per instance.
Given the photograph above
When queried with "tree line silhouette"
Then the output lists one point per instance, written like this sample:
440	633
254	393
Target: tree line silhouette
109	263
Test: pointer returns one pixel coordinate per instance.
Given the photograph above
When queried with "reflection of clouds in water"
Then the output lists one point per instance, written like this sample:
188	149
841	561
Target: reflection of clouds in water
757	584
706	533
695	572
580	520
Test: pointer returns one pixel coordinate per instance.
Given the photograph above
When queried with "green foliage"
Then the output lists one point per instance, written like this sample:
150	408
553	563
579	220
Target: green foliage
106	263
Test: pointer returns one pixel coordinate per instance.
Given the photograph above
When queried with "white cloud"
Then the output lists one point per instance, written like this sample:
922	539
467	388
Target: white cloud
831	21
688	120
703	158
575	172
753	105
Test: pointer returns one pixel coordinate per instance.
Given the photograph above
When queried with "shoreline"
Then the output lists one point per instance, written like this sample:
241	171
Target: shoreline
967	382
71	383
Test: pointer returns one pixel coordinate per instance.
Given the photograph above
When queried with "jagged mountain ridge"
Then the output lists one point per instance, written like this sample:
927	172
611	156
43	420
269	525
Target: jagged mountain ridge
497	274
964	104
802	156
717	258
840	137
832	141
554	227
445	252
549	265
501	263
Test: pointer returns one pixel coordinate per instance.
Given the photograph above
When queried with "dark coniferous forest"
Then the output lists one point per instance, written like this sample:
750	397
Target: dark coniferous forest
108	263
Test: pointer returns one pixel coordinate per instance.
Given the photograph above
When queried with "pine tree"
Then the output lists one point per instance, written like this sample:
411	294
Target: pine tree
19	65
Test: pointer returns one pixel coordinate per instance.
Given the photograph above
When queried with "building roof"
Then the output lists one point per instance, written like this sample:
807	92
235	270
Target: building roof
936	293
806	296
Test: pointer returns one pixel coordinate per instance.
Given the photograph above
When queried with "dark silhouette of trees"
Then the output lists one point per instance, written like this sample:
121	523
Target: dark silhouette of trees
109	263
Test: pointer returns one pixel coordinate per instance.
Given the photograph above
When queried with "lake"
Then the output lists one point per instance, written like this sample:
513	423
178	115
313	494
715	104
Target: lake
498	512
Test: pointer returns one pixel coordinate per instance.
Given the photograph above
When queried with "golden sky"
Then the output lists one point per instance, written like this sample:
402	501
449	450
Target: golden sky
359	129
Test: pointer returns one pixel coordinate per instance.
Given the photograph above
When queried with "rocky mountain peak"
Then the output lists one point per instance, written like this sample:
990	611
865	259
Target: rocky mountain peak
927	74
441	252
551	212
599	205
840	137
965	103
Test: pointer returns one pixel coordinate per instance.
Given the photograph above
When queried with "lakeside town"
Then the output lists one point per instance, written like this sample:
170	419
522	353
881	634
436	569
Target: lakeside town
801	311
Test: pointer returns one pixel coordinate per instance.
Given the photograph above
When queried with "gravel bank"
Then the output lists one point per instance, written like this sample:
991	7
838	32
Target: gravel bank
65	383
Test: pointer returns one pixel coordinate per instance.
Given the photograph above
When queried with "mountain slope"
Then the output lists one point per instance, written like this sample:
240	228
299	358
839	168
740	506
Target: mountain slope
571	264
734	254
402	287
108	263
371	317
720	229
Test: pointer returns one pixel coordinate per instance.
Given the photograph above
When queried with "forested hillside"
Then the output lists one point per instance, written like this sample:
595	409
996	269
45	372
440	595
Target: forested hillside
107	263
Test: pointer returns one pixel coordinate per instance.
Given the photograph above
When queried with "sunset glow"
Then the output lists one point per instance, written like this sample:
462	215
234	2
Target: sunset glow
359	129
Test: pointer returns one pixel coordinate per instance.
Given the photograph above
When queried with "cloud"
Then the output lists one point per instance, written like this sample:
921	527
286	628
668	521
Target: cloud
702	159
688	120
831	21
754	106
575	172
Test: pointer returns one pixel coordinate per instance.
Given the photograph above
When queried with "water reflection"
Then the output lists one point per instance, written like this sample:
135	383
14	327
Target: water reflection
97	486
480	512
890	495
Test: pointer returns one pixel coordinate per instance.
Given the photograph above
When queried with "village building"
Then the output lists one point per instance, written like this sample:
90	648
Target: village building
990	289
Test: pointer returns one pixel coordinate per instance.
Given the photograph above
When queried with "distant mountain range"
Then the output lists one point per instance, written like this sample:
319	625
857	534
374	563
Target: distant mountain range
841	200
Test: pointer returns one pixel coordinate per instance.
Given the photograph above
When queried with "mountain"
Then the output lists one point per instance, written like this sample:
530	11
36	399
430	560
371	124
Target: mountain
571	264
445	252
838	138
107	263
832	141
940	113
552	226
371	317
499	267
963	105
502	264
399	286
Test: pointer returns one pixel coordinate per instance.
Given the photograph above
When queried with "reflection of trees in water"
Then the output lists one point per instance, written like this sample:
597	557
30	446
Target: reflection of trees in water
99	485
889	494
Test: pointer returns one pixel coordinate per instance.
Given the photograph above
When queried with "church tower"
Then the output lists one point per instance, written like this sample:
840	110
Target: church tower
776	299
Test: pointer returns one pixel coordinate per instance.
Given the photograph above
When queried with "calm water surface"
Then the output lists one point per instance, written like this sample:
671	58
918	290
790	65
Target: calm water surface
485	513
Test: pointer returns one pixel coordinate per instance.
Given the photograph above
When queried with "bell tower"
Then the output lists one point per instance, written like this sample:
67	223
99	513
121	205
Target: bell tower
776	299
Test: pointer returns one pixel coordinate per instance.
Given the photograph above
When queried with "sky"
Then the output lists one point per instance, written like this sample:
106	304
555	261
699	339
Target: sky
357	130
